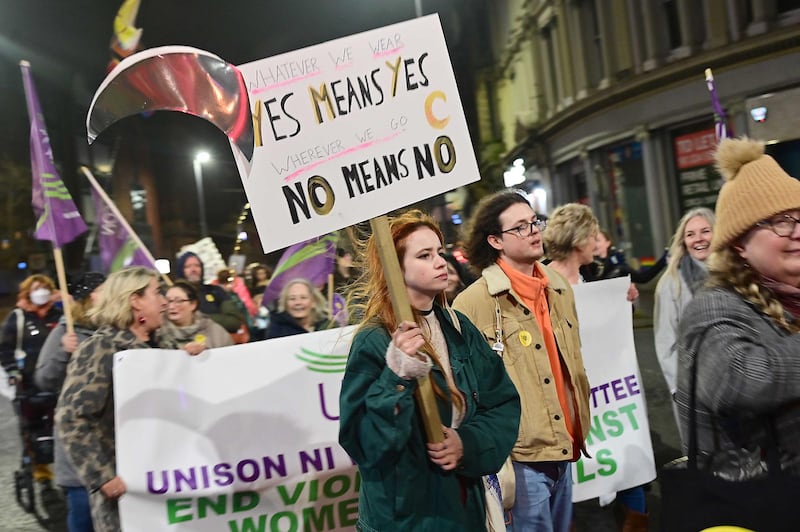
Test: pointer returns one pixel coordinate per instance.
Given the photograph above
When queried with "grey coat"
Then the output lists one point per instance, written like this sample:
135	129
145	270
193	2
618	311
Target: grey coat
51	370
747	368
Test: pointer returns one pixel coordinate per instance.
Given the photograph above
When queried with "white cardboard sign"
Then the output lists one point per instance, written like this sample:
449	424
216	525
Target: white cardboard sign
352	129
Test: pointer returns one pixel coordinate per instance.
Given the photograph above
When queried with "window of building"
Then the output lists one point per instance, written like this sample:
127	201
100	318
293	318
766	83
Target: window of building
673	24
590	25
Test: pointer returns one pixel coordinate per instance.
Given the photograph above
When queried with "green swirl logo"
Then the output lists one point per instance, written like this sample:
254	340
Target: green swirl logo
322	363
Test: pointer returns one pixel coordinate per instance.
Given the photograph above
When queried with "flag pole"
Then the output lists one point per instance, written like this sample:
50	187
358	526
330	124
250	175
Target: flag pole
720	118
62	287
122	220
424	395
330	295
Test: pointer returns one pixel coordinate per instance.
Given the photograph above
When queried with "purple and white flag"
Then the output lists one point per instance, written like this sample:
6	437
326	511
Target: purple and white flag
313	260
720	118
58	219
117	248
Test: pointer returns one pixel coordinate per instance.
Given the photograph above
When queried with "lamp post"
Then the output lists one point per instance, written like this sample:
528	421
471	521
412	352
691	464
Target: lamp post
199	159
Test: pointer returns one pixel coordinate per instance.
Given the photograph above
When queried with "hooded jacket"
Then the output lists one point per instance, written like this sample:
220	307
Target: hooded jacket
213	301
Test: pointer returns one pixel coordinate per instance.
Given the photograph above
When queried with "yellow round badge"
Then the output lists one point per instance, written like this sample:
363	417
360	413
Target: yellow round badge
525	338
200	338
209	298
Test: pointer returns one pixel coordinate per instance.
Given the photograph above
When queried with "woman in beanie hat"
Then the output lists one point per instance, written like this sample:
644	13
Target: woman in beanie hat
743	329
51	370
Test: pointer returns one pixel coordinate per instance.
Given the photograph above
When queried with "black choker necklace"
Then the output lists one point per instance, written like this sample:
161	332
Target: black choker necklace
426	312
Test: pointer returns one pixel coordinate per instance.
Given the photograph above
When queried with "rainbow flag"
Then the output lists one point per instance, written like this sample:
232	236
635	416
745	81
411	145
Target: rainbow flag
58	219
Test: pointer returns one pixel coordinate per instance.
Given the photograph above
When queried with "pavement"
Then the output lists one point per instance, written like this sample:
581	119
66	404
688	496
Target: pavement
589	516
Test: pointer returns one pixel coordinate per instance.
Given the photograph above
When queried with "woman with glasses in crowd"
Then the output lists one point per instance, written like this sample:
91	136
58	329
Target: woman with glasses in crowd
186	326
740	334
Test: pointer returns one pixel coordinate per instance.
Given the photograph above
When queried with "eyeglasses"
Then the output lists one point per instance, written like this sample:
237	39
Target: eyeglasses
176	301
526	229
782	225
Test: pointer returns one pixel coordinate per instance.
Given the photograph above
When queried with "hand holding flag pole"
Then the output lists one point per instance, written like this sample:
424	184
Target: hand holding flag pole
424	394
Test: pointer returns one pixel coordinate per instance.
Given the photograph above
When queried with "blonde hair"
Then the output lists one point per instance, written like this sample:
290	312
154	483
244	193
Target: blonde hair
677	247
727	269
371	286
113	307
569	227
320	309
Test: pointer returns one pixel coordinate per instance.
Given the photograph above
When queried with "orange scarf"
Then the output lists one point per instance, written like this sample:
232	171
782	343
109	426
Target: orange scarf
532	291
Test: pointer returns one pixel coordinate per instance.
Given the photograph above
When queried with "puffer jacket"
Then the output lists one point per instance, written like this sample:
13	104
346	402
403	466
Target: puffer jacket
542	437
379	427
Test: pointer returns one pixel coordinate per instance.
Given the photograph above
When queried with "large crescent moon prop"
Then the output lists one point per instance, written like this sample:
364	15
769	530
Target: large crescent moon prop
177	78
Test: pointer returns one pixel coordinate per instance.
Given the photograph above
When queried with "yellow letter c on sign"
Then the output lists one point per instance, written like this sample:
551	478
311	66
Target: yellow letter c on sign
436	123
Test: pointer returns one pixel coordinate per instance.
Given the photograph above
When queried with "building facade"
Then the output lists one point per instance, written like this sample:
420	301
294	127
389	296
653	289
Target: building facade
605	102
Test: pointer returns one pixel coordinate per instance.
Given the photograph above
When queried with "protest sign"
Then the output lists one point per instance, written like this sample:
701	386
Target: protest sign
235	439
352	129
619	435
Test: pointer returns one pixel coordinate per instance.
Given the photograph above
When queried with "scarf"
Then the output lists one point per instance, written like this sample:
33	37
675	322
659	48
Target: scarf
786	294
693	272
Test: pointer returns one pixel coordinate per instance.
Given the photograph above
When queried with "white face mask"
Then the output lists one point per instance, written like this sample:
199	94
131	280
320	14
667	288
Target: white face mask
40	296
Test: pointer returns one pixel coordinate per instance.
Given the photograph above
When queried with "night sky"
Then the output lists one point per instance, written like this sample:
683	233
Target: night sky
66	42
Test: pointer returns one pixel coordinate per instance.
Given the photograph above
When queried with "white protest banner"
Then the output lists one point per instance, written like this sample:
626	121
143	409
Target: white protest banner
352	129
619	435
243	438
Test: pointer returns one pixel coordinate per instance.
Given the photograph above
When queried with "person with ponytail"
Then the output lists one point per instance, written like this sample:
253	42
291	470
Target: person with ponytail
742	329
406	483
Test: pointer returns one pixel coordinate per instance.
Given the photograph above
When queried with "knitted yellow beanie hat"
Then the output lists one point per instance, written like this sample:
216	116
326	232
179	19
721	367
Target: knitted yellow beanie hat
755	188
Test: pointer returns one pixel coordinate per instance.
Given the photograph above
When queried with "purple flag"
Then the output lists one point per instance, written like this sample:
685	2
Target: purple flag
58	220
312	260
720	118
117	248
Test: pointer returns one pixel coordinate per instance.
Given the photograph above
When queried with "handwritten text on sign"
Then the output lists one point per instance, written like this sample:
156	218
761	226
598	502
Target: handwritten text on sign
353	129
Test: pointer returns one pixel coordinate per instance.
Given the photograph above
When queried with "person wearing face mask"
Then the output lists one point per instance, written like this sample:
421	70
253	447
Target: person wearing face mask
686	272
35	301
301	309
27	326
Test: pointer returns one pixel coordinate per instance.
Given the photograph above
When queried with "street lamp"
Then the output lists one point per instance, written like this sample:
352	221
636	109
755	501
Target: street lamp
199	159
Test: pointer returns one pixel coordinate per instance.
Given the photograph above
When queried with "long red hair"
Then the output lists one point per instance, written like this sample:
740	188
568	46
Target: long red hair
369	295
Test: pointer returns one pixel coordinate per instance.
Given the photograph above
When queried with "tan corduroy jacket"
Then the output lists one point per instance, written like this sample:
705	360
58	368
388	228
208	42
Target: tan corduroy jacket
542	433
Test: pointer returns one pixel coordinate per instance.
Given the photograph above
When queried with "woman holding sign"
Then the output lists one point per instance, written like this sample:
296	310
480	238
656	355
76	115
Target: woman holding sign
408	484
128	312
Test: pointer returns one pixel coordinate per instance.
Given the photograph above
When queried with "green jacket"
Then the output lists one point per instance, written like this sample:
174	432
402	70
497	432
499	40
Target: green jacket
380	429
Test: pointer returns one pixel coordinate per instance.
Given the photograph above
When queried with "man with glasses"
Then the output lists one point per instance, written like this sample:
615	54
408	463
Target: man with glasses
526	312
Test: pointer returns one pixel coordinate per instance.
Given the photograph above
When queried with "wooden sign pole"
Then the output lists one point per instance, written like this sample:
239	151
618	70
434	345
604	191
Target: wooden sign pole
424	395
